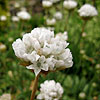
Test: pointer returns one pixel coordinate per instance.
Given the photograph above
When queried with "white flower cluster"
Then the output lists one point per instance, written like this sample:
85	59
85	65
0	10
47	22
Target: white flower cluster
16	5
50	90
58	15
49	3
69	4
43	50
3	18
51	22
15	18
46	4
24	15
62	36
87	10
5	97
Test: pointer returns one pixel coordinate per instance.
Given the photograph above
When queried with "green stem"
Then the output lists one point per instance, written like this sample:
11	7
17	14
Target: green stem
34	87
67	20
83	28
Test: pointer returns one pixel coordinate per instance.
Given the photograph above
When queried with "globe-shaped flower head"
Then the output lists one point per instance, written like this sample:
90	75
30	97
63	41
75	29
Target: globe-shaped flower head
46	4
50	90
58	15
69	4
24	15
43	50
87	11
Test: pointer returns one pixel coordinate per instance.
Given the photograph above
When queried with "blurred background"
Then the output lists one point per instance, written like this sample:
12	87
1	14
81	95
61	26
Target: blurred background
80	82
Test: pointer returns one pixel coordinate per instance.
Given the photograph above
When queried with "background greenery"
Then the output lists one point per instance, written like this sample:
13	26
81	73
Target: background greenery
84	76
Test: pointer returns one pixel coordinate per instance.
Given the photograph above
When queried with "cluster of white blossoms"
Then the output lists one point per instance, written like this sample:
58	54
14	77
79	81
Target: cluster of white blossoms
62	36
87	10
58	15
24	15
69	4
15	18
3	47
46	4
51	22
50	90
16	5
5	97
3	18
43	50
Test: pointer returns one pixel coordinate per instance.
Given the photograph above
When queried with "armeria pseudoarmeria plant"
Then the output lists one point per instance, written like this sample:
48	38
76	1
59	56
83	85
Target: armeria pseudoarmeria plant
69	4
51	22
3	18
43	51
5	96
50	90
46	4
62	36
58	15
15	18
24	15
86	12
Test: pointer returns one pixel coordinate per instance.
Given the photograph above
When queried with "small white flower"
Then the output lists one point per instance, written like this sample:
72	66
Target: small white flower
3	18
43	50
82	95
5	97
70	4
62	36
87	10
51	22
50	90
24	15
3	47
15	19
58	15
46	4
16	5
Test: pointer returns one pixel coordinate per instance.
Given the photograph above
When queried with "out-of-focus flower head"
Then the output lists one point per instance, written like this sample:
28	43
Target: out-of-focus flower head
50	90
87	10
10	39
5	97
62	36
2	47
51	22
43	50
82	95
46	4
3	18
58	15
15	18
69	4
24	15
16	5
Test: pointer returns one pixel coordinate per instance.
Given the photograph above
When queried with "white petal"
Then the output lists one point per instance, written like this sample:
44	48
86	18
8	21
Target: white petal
19	48
35	68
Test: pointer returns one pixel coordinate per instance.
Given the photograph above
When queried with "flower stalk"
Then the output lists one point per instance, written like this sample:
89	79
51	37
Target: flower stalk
35	87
